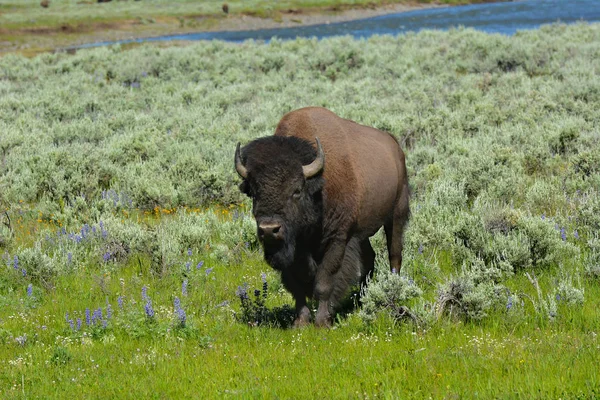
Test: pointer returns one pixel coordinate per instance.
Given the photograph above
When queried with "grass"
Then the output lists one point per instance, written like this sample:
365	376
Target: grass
28	28
130	152
215	356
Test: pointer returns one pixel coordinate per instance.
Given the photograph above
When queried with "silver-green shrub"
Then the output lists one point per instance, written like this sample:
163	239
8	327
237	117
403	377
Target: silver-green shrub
592	260
468	296
389	293
33	262
568	292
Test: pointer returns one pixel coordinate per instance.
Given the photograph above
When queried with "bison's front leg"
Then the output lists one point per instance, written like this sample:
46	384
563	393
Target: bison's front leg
297	288
324	282
302	313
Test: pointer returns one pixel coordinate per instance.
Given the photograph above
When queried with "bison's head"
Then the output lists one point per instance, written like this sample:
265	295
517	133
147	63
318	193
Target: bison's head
283	177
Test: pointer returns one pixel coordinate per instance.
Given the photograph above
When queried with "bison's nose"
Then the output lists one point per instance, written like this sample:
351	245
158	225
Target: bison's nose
270	231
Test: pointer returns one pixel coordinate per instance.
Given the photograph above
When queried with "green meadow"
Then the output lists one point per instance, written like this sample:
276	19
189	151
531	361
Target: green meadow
129	262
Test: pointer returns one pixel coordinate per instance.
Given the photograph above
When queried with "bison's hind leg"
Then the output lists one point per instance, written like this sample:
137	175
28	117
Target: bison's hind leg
394	230
359	262
367	261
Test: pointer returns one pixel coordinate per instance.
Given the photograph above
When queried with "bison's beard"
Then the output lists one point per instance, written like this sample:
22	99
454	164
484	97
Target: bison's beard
280	255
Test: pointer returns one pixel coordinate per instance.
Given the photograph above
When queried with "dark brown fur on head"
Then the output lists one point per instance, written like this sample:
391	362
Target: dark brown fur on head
281	194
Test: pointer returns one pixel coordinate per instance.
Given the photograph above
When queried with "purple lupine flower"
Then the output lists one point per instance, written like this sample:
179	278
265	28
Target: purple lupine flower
106	256
148	309
120	301
102	230
421	248
563	234
576	234
509	304
181	315
72	324
543	217
144	293
70	257
184	286
88	316
30	290
189	252
557	296
24	272
93	230
104	323
78	324
242	291
188	265
180	312
21	339
265	286
200	264
208	271
16	263
108	310
144	74
67	316
135	85
97	316
247	244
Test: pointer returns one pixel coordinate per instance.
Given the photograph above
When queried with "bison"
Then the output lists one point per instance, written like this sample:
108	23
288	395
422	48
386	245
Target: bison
320	187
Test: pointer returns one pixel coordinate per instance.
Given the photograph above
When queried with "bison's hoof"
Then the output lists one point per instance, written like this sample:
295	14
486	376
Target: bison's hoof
323	322
302	320
300	323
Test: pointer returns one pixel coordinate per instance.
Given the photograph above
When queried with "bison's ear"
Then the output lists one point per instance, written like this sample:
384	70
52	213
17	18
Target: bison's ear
245	188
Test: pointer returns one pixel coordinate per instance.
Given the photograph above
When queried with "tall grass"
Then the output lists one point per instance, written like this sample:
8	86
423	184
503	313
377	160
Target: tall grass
117	192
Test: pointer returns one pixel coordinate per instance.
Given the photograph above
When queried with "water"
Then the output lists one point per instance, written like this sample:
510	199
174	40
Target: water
505	18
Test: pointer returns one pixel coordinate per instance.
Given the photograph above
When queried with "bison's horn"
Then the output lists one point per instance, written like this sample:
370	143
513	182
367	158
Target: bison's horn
239	167
317	165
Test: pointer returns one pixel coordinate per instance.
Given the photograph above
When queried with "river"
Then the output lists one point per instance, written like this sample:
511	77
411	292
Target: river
505	18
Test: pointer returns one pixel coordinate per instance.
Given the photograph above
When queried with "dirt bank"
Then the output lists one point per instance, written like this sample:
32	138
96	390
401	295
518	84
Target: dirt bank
33	41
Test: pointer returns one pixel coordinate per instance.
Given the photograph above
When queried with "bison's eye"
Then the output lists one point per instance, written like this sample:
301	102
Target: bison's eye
296	195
